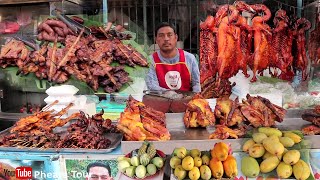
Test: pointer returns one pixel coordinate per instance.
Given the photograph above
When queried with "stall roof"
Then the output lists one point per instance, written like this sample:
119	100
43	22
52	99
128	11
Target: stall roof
7	2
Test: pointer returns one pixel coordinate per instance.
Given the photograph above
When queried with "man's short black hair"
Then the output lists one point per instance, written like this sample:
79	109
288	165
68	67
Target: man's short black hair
165	24
99	164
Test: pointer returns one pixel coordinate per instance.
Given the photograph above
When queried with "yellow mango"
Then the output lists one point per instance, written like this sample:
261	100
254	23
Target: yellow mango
270	131
286	141
221	151
230	167
216	167
296	138
301	170
257	151
291	157
269	164
259	137
247	145
273	147
284	170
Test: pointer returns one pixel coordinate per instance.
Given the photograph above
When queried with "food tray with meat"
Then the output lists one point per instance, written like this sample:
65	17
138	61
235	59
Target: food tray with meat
47	130
115	140
199	137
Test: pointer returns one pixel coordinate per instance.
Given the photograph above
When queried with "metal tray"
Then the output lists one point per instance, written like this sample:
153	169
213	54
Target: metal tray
115	139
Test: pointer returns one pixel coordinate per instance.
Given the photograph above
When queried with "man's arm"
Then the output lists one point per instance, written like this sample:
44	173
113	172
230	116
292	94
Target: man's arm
195	75
152	79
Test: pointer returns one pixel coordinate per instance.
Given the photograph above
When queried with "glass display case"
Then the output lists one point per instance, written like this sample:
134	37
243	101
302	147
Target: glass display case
20	19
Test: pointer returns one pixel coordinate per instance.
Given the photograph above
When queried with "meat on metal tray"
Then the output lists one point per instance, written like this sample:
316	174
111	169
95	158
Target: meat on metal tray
115	139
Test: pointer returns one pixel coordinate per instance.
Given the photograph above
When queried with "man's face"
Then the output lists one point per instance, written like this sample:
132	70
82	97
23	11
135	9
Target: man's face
97	173
166	39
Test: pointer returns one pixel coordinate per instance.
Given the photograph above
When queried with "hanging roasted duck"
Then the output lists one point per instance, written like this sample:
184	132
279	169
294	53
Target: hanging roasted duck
227	40
282	38
314	43
233	40
300	56
244	39
208	51
262	39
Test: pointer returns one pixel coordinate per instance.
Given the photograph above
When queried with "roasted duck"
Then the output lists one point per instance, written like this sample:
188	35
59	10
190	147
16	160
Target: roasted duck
262	39
198	113
282	37
300	56
139	123
244	38
208	51
228	112
238	117
312	116
227	40
314	42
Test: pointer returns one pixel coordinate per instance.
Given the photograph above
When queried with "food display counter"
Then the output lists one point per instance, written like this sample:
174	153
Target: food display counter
235	128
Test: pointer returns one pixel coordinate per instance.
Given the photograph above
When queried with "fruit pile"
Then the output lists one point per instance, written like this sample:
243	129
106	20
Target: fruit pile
141	163
204	165
270	145
222	162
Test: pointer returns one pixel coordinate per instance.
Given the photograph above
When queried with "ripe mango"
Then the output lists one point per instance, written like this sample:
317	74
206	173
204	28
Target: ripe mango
247	145
301	170
205	172
220	151
197	161
187	163
291	157
286	141
273	147
216	167
194	173
205	159
259	137
274	138
284	170
270	131
230	167
250	167
267	154
269	164
296	138
257	151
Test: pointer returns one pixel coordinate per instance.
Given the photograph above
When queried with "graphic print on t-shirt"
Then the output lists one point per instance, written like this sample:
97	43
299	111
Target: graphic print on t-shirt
173	80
